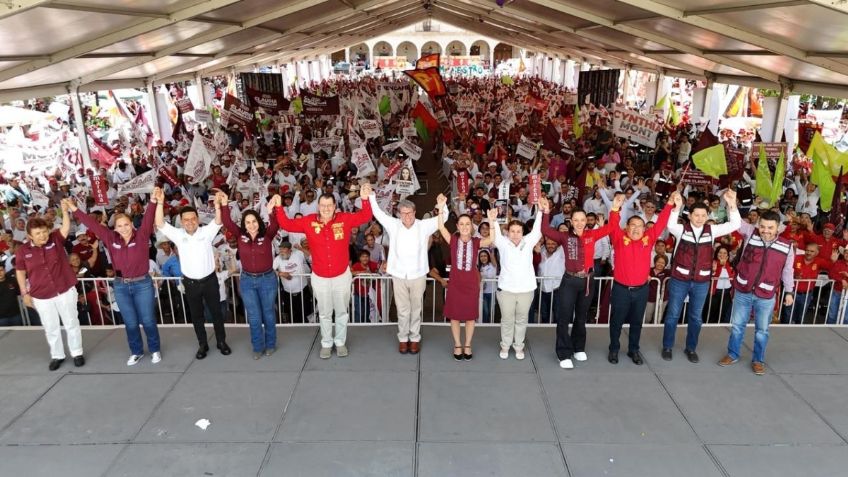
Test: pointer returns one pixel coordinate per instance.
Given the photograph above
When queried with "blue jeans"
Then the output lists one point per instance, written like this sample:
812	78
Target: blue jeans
361	308
677	292
743	303
12	321
833	309
259	296
795	313
543	306
135	299
487	307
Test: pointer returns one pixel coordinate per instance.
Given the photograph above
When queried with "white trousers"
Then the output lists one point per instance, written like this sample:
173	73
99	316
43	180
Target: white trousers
409	300
50	311
332	295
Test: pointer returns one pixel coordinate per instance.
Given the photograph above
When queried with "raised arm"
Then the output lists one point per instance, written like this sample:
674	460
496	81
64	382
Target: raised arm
66	219
222	209
547	230
385	219
659	227
363	215
616	233
431	225
146	228
100	231
159	218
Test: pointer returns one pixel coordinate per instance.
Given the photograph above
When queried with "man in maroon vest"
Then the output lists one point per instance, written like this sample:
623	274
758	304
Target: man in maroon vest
691	270
766	261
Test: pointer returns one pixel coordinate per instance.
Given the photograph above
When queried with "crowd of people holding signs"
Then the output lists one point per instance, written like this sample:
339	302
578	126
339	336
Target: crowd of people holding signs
303	196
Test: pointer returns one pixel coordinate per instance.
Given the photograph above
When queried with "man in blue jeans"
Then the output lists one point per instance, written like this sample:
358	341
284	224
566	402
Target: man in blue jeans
766	261
691	269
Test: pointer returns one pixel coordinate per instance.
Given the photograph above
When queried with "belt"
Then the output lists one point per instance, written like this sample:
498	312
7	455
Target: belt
198	280
257	274
631	288
577	274
132	279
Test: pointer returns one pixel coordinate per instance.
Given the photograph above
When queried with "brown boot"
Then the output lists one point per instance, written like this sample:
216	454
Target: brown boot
403	347
414	347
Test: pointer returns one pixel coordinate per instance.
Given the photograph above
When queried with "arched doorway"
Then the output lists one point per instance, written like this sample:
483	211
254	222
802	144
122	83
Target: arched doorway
408	50
430	47
383	48
359	56
481	48
456	48
504	52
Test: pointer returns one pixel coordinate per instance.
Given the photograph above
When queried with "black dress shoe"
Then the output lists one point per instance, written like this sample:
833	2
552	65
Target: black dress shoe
666	354
55	363
691	355
613	357
79	361
225	350
201	352
636	357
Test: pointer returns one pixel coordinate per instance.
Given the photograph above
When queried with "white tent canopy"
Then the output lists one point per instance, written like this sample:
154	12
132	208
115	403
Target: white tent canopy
51	47
12	116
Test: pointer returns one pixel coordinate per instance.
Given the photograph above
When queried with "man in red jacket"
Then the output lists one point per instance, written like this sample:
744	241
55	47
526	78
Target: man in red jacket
328	235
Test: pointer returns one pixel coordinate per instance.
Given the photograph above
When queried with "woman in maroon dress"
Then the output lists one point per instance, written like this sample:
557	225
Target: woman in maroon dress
463	294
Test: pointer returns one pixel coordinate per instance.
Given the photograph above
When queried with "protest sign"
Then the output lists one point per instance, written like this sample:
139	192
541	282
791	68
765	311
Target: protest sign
370	128
140	184
527	149
362	160
411	150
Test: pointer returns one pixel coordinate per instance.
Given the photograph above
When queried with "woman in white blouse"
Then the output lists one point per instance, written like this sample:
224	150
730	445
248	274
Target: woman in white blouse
516	282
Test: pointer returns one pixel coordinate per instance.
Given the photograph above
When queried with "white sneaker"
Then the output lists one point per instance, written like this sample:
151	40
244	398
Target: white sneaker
134	359
566	364
504	354
580	356
519	354
156	357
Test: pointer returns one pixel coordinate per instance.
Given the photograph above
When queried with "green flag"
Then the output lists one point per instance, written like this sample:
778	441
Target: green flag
821	177
576	128
423	133
507	81
711	161
763	176
297	105
779	174
385	105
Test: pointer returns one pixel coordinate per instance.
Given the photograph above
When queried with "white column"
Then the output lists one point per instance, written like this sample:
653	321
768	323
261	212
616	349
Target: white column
791	123
774	116
713	109
152	110
201	96
285	74
73	91
625	84
568	74
701	99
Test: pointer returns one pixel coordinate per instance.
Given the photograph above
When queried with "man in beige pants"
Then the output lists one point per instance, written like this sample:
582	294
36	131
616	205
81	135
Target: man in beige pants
407	264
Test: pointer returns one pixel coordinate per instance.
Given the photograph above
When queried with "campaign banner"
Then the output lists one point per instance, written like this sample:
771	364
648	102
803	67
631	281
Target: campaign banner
274	103
203	116
410	132
314	105
772	149
636	127
404	187
695	178
384	197
466	105
39	198
462	183
735	159
238	113
99	189
362	160
527	149
199	162
570	97
370	128
503	191
354	140
534	186
325	144
392	146
168	176
393	169
184	105
411	150
441	116
140	184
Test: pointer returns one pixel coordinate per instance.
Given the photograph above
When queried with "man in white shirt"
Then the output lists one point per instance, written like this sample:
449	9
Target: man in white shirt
291	267
408	265
310	204
197	263
552	264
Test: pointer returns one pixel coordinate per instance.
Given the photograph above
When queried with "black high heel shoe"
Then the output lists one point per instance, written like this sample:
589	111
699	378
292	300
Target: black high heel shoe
457	357
467	356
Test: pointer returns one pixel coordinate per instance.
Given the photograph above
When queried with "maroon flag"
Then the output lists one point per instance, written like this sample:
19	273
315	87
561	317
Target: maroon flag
166	174
534	189
98	150
462	178
707	139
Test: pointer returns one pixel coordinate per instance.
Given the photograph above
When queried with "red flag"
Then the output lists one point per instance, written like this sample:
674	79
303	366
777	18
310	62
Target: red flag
430	79
179	127
462	178
707	139
421	112
99	189
169	176
428	61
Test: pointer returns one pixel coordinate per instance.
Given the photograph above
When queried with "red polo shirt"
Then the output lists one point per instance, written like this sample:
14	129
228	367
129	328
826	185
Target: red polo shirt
47	267
130	259
808	272
633	257
256	255
329	241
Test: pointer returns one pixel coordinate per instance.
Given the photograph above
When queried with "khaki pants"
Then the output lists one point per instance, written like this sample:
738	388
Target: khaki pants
332	295
409	300
51	310
514	310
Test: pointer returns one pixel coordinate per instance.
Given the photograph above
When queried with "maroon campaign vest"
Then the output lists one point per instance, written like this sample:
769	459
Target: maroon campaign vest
693	258
760	269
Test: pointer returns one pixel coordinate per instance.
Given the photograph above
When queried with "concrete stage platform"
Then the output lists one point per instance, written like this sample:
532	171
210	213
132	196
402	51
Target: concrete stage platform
378	413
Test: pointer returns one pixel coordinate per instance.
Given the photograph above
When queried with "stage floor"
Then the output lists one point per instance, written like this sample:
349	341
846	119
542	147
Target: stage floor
379	413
